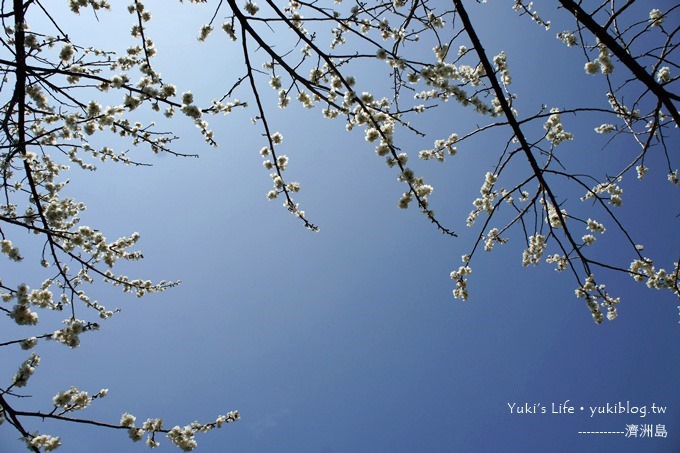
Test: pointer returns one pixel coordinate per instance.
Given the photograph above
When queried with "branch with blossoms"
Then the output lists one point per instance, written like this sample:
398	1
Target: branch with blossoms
559	230
390	32
183	437
422	56
325	85
47	120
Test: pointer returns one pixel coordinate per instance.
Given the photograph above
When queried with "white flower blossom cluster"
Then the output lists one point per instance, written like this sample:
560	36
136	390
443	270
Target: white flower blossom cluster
595	226
25	371
553	217
279	163
446	78
75	5
94	243
603	63
138	286
663	75
501	63
228	28
205	32
182	437
460	276
641	171
605	128
673	177
641	269
596	295
560	261
567	38
620	109
588	239
74	399
533	254
655	17
49	443
528	8
592	67
12	252
492	238
369	112
441	149
555	130
21	312
70	335
251	8
613	189
29	343
486	201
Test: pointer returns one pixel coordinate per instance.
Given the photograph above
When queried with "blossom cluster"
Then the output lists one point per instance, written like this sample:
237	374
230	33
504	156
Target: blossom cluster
492	238
553	217
533	254
460	276
611	188
501	63
181	437
441	149
26	370
485	203
603	63
74	399
528	8
7	248
655	17
641	269
70	335
555	130
568	38
49	443
560	261
21	312
595	296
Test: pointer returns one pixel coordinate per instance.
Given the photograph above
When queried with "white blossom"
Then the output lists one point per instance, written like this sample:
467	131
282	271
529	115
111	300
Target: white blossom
460	275
127	420
183	437
568	38
67	52
251	8
555	131
595	226
605	128
25	371
655	17
7	248
533	254
205	31
592	67
663	75
29	343
47	442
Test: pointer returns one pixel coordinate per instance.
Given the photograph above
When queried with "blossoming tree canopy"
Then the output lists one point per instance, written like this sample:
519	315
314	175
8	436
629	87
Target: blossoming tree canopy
396	71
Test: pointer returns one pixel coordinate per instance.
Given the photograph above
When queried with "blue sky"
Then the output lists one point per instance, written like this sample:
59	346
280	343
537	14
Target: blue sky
349	339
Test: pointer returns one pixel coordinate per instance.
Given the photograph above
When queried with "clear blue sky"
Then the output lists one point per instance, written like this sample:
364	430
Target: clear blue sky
349	339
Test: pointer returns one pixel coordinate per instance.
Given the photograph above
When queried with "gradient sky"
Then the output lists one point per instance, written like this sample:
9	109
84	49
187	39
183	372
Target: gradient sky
348	340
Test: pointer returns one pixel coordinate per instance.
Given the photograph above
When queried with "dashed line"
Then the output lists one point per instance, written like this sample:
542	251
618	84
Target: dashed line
602	432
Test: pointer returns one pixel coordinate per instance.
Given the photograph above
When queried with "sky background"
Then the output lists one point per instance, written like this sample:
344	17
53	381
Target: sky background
349	339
